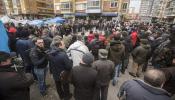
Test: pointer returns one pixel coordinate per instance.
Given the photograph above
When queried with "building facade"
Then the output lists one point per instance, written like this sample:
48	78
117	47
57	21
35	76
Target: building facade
170	11
146	10
29	8
2	8
91	8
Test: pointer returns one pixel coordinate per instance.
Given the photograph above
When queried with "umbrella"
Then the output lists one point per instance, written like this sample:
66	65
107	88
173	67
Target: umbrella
55	20
36	22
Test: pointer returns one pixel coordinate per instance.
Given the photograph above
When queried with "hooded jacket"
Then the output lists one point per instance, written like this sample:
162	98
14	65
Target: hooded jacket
76	52
14	85
141	53
139	90
59	62
116	52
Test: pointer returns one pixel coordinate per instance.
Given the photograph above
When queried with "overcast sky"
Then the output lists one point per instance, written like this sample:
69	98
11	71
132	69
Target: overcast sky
134	6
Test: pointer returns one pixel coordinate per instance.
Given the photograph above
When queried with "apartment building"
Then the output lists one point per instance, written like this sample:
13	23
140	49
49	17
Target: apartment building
145	10
91	8
170	11
32	8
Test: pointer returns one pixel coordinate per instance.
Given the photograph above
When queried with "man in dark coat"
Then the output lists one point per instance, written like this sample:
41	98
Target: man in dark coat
140	55
105	69
84	78
170	79
14	85
60	66
39	58
149	89
116	54
23	46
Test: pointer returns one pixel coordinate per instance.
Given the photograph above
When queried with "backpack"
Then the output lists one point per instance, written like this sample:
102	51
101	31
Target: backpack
95	46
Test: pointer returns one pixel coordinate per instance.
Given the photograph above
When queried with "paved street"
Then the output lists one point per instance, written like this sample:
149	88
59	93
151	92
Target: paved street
52	94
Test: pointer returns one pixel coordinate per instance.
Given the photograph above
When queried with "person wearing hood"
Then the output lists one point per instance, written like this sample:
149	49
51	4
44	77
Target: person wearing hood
105	69
60	66
77	50
148	89
140	55
84	78
116	54
15	85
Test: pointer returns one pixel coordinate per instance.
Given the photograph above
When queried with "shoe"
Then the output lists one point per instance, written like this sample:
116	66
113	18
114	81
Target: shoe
114	82
132	74
68	97
43	94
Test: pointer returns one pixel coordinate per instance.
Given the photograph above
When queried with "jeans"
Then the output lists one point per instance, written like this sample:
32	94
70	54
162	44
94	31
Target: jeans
117	72
41	76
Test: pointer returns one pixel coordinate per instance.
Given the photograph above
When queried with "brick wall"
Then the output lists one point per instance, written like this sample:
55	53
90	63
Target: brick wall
107	7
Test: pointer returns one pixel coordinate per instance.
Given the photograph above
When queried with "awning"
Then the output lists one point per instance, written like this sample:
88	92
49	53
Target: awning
80	14
109	14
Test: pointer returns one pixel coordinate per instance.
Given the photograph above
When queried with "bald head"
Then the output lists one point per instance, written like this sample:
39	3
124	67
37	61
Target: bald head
155	77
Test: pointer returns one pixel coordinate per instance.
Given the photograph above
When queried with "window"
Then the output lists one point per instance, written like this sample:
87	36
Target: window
94	4
113	4
80	6
66	5
125	6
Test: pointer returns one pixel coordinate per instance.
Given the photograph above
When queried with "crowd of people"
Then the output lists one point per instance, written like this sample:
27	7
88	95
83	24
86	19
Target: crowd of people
90	61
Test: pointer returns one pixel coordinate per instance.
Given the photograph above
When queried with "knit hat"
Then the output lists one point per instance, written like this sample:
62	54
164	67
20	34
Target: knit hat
103	53
88	58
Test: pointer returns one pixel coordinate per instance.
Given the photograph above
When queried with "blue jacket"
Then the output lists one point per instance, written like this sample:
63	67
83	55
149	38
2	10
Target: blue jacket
59	62
139	90
23	47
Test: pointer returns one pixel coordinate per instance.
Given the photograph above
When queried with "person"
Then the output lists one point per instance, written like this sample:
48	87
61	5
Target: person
140	55
23	46
39	59
60	63
77	50
105	69
170	79
84	78
95	45
116	54
14	85
47	39
148	89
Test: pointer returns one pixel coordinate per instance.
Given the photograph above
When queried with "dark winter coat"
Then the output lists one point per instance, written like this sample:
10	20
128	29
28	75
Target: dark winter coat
116	52
59	62
38	58
23	47
14	85
170	82
84	81
105	69
140	53
139	90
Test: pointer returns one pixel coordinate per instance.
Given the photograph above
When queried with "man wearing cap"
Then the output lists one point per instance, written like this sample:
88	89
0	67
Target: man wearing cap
139	55
105	69
84	78
14	85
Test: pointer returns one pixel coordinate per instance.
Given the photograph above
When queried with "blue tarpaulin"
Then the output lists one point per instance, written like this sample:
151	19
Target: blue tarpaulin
3	39
36	22
55	20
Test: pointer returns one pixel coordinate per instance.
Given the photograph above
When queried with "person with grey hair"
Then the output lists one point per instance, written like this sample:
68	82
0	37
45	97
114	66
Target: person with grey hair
60	66
77	50
148	89
105	69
